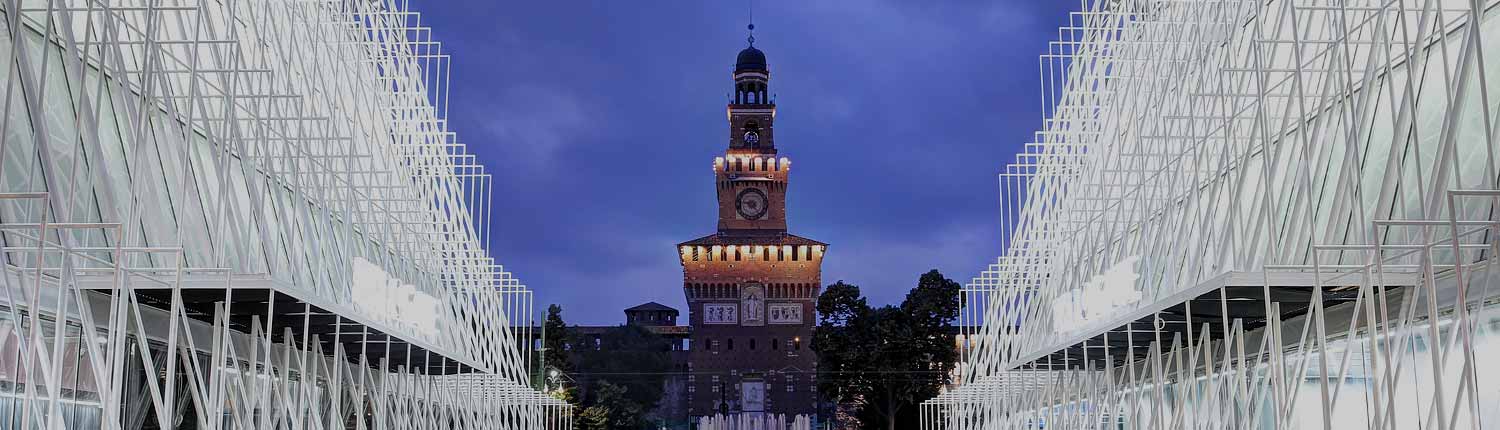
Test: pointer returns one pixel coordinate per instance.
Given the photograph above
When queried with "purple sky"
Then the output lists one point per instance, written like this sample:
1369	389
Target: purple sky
600	120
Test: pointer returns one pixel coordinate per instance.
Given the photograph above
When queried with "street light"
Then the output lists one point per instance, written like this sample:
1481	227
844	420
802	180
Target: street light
555	377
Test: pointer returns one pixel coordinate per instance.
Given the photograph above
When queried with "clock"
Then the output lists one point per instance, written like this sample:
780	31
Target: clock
751	203
752	138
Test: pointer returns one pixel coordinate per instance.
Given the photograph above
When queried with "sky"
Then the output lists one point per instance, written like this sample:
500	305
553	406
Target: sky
600	120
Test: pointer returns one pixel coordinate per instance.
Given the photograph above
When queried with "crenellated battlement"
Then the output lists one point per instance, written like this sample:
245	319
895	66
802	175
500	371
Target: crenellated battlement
740	253
744	164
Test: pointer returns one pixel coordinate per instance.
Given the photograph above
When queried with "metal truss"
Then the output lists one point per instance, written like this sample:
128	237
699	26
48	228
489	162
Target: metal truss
246	214
1248	214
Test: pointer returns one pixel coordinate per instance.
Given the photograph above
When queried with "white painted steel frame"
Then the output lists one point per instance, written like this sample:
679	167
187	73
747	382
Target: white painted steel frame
1349	144
175	146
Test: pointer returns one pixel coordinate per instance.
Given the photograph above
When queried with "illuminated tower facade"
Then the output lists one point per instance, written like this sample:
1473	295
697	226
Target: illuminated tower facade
751	285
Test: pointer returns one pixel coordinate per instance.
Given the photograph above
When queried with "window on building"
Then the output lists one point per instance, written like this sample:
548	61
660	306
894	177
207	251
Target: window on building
797	344
729	344
773	344
752	344
708	344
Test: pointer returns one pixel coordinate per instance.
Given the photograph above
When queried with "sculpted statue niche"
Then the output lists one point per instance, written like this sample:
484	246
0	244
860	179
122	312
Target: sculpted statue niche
753	304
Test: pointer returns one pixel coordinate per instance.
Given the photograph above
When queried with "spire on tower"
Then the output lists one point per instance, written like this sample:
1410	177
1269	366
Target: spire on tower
751	27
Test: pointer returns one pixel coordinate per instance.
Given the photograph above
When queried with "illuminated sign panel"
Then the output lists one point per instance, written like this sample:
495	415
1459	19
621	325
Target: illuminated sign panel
1099	298
395	303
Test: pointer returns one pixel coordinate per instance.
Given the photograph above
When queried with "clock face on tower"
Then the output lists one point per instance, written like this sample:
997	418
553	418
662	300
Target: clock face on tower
752	138
751	203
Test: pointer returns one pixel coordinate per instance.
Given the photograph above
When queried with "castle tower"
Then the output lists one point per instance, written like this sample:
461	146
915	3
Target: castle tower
751	285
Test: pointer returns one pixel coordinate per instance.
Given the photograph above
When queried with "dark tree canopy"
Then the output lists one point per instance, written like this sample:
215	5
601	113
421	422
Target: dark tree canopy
558	338
614	383
844	319
611	409
624	375
885	361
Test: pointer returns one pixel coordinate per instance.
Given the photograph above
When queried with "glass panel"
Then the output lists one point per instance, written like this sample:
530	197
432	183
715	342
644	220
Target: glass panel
159	220
20	167
241	215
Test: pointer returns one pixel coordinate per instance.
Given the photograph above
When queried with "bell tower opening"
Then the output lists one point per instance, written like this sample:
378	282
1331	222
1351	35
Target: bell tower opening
752	108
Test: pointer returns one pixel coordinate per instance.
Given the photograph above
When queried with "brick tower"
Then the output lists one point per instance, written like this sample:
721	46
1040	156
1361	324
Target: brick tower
751	285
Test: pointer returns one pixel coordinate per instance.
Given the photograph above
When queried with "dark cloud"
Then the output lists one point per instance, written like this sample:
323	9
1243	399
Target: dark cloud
600	120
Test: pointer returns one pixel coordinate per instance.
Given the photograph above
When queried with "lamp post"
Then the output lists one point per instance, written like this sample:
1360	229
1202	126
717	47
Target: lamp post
555	378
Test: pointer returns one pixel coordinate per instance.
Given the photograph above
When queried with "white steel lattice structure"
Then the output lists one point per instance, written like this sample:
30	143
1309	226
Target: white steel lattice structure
1249	214
246	214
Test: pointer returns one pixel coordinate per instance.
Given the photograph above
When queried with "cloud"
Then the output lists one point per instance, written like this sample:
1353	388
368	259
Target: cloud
899	106
627	270
531	124
1010	18
828	107
886	269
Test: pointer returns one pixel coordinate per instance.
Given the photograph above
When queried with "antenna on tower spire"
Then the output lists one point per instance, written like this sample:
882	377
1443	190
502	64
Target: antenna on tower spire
751	27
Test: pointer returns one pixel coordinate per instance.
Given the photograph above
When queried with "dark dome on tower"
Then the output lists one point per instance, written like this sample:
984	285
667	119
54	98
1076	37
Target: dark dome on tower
750	59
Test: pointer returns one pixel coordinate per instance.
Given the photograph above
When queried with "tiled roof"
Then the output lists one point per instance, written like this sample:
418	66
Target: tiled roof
651	306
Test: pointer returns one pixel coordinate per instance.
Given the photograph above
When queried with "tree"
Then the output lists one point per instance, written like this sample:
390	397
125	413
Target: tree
611	409
629	368
593	418
886	360
624	412
558	337
555	360
843	322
